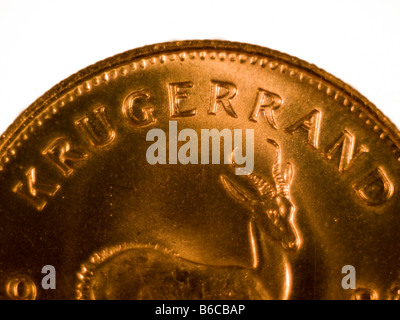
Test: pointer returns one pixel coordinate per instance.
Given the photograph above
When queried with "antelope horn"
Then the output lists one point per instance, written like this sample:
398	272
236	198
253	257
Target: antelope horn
264	189
281	185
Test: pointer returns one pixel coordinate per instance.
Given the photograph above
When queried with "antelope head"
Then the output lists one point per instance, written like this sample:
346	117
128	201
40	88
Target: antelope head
270	205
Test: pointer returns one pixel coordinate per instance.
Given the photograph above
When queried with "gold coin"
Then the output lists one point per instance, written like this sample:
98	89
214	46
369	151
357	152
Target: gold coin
200	170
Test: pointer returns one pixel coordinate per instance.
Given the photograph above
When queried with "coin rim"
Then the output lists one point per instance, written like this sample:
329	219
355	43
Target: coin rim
27	116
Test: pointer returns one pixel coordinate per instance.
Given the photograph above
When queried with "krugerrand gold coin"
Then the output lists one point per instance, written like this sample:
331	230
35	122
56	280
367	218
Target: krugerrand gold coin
200	170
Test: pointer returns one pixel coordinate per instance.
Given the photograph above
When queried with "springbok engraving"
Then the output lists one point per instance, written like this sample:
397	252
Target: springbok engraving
147	271
271	206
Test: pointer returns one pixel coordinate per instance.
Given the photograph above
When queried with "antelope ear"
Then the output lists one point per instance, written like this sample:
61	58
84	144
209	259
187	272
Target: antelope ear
236	191
288	176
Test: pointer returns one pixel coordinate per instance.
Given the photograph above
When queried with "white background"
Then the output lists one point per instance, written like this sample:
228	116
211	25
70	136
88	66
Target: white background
43	42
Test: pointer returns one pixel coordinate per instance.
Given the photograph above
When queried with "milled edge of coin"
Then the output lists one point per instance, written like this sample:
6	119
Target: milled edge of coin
381	124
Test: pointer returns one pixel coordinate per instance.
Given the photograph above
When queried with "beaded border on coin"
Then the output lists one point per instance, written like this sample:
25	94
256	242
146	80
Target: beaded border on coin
122	64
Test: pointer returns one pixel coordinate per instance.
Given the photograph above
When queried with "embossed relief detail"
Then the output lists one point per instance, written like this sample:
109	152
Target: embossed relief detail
20	287
34	191
266	103
146	112
364	294
310	123
375	188
271	206
346	144
284	67
222	94
97	128
139	271
178	92
59	152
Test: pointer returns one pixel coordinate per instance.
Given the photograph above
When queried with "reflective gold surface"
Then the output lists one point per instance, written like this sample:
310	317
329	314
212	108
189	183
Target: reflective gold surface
79	194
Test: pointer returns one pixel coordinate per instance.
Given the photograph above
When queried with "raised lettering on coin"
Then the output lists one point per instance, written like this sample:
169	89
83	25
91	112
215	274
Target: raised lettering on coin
35	192
302	180
178	92
59	152
97	128
266	103
310	123
345	145
222	94
376	188
146	113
